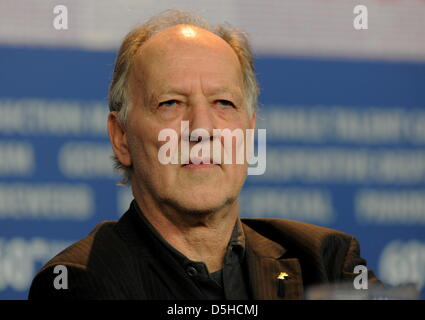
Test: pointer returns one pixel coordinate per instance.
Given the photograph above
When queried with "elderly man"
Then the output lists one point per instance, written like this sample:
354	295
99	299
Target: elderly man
182	237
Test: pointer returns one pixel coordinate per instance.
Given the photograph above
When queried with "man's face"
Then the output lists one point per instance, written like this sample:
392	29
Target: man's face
185	73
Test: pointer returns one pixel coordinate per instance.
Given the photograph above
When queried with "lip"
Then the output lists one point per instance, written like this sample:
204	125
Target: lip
193	166
200	163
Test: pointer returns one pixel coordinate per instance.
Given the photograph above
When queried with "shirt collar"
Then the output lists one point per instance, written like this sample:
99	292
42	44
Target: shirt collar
237	240
236	243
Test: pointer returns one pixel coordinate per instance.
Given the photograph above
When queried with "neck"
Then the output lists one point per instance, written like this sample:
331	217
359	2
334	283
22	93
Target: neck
200	237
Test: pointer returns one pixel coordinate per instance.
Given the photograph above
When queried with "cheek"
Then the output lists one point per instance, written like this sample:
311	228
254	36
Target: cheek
235	176
240	120
145	145
142	142
237	147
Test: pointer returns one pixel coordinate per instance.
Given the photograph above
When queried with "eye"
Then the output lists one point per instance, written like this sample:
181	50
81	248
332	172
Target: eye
168	103
225	103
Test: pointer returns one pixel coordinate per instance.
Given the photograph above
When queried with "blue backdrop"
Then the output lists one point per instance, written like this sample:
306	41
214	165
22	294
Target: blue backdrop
345	149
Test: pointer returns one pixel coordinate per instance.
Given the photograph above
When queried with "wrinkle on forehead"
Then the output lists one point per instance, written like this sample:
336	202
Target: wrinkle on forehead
164	47
180	36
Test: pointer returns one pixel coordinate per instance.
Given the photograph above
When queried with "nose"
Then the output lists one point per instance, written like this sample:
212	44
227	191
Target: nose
201	117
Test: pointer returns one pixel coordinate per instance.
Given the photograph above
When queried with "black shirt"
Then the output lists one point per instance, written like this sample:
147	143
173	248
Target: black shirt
228	283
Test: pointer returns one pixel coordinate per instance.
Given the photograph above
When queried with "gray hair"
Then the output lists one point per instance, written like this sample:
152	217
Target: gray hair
118	90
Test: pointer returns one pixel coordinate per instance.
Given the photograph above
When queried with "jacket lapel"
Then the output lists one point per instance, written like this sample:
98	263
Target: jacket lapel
271	276
164	274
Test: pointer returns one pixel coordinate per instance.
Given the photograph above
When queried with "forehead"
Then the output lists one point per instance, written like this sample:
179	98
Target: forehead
186	50
186	37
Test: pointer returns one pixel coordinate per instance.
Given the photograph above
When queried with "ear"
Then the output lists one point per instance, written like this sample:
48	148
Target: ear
118	139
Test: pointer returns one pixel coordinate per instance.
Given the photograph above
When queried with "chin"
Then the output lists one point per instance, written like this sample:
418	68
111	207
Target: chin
201	203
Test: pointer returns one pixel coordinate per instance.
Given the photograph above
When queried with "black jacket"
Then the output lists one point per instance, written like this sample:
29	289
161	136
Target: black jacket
120	260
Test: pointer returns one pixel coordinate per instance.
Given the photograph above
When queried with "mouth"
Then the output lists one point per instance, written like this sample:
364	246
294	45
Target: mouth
200	164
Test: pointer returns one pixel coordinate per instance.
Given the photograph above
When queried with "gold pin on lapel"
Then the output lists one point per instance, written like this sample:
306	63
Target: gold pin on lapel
282	276
281	284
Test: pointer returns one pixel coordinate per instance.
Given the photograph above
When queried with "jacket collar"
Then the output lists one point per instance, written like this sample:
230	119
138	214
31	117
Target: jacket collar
271	275
265	261
144	245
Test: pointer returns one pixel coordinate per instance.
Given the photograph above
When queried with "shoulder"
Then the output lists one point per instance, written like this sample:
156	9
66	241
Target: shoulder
320	250
96	245
81	274
292	231
79	252
101	265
